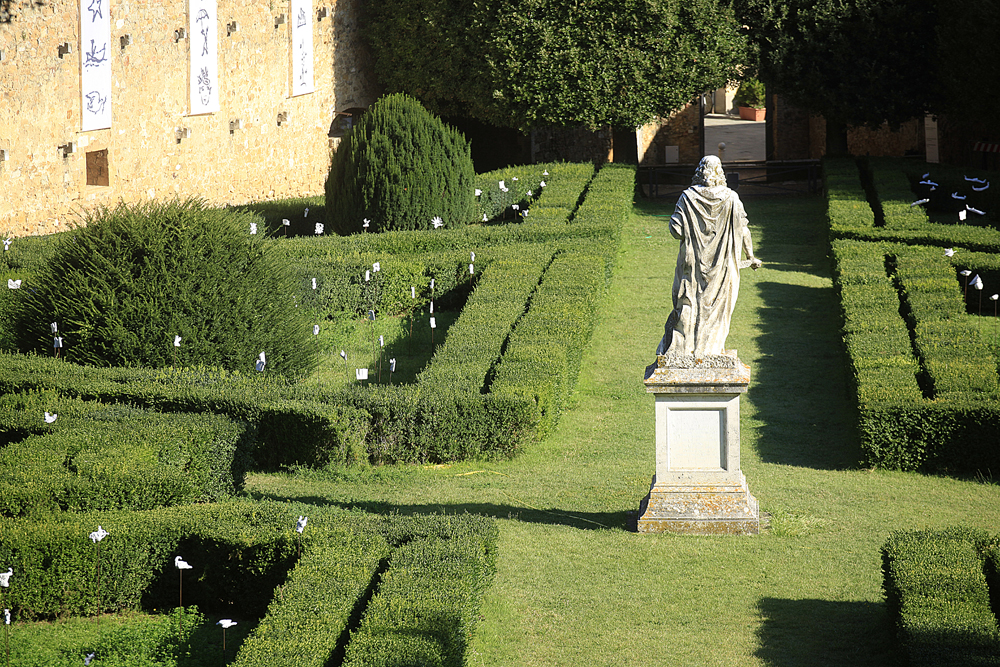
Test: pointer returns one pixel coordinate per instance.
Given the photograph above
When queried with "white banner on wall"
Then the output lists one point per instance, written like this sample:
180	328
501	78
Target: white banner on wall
302	47
203	35
95	64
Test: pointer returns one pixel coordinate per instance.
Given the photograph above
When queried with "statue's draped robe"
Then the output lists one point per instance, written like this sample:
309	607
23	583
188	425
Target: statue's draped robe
711	224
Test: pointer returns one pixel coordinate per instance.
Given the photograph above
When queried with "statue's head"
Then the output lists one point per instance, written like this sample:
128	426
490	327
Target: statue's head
709	172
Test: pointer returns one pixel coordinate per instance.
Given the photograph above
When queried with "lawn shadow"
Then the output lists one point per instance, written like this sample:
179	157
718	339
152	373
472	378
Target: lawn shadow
812	633
624	521
799	387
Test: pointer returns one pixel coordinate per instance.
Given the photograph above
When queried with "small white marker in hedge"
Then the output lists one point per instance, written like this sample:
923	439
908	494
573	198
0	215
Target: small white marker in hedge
413	292
285	222
545	173
361	374
49	419
6	244
432	284
478	192
225	623
87	658
55	327
542	184
300	525
177	341
260	363
315	330
381	341
376	267
485	219
949	252
319	228
98	535
368	275
5	577
6	616
365	223
306	213
471	270
977	282
392	364
253	228
961	214
314	283
432	307
473	256
433	324
437	221
13	284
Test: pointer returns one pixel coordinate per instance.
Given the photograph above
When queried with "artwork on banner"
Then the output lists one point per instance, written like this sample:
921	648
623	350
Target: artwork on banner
302	47
203	34
95	64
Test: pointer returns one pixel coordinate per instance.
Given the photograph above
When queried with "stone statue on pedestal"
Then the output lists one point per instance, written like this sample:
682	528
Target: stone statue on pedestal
698	486
711	224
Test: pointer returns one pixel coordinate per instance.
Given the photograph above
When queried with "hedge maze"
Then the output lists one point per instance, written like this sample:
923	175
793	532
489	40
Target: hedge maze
921	339
158	457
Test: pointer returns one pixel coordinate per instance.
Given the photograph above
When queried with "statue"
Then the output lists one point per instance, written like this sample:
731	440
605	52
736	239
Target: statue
711	224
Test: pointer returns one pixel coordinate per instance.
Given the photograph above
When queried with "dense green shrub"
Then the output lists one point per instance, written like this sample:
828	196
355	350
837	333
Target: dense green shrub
121	288
400	167
938	598
306	622
97	456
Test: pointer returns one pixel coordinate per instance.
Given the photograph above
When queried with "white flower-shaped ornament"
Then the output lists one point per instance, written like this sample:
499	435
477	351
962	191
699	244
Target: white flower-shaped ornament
98	535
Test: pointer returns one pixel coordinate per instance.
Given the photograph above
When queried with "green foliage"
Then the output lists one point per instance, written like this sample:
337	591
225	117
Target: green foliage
121	288
305	623
544	62
937	595
428	599
400	167
925	376
856	62
97	456
750	94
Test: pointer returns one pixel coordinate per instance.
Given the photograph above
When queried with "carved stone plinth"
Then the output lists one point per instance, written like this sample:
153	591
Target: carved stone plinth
698	487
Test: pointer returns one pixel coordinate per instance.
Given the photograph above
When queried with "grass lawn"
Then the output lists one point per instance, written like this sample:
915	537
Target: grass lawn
577	586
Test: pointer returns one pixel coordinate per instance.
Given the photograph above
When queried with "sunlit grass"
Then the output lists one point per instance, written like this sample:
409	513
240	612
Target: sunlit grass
577	586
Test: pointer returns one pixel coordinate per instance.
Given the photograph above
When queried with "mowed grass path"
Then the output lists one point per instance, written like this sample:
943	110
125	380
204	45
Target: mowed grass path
577	586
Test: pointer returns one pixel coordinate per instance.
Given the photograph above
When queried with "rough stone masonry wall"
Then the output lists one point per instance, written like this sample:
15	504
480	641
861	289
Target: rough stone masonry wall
40	108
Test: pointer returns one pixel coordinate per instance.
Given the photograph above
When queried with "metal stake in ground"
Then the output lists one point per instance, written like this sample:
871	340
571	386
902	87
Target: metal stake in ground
96	538
5	583
225	623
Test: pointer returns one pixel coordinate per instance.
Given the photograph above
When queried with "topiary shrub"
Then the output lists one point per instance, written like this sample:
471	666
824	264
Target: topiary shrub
400	167
121	288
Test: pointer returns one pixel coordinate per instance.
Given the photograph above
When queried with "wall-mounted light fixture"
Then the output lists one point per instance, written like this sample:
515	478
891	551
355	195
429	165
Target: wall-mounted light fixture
182	133
179	34
4	155
64	49
125	40
3	56
235	124
231	28
279	20
68	148
322	13
283	117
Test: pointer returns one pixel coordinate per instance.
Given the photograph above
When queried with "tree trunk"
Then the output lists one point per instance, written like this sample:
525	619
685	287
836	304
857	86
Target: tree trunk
836	138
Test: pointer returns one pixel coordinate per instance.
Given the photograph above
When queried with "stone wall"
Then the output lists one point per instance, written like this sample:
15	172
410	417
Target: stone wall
682	129
154	149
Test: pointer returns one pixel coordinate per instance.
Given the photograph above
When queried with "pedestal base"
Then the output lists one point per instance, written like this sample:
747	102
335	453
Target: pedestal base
701	509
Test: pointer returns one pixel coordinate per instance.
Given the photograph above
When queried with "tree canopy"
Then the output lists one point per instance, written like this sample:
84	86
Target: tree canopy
856	62
555	62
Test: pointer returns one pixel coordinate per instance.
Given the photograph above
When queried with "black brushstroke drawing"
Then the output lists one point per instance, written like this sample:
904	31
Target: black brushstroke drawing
203	16
304	72
95	103
95	10
204	87
96	57
302	20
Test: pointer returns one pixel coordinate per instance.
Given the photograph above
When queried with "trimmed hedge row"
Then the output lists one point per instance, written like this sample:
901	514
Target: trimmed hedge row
97	456
927	393
890	195
307	621
289	432
542	360
239	551
938	596
428	600
243	555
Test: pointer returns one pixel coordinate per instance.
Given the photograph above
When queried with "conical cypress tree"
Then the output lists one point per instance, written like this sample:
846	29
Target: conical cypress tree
400	167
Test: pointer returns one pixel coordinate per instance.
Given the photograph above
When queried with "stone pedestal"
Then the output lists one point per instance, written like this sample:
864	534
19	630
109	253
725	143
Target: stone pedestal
698	487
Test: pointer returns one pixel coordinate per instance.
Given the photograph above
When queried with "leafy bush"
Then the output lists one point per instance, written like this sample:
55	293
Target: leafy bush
399	167
136	276
938	597
750	94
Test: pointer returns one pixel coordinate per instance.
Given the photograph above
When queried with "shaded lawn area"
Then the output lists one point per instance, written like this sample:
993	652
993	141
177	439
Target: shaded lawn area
576	586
